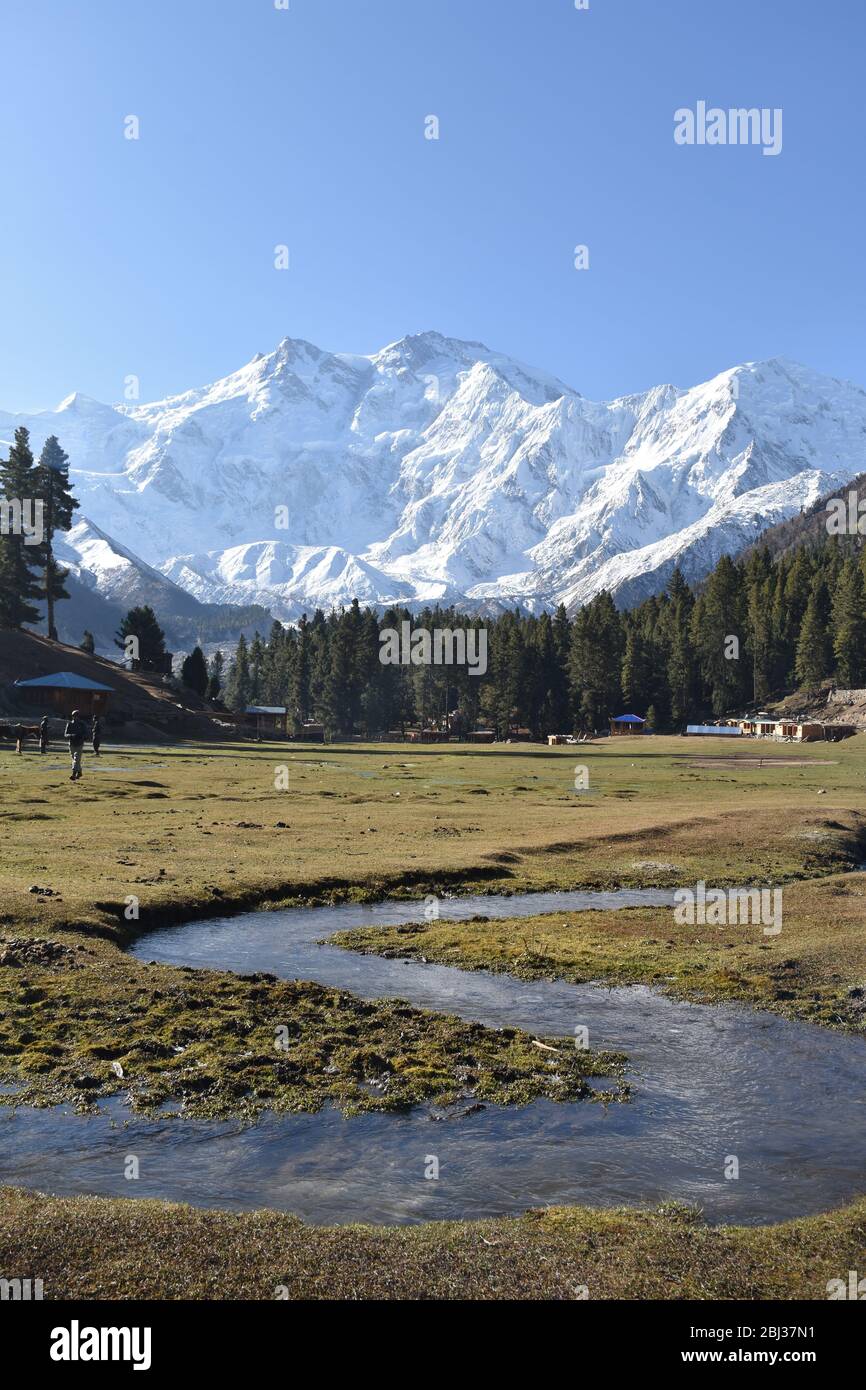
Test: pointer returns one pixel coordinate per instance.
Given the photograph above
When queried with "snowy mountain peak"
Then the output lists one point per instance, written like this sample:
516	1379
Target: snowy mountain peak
76	400
439	469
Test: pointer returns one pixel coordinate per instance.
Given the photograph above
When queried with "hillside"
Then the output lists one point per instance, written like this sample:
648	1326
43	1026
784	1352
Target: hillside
104	580
140	702
809	527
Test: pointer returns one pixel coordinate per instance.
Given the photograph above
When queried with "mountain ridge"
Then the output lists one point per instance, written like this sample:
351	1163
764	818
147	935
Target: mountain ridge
438	470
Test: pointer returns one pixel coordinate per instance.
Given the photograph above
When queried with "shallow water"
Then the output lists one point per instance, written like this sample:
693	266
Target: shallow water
787	1100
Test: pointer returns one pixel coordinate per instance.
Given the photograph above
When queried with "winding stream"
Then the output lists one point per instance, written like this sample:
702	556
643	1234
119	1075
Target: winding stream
787	1099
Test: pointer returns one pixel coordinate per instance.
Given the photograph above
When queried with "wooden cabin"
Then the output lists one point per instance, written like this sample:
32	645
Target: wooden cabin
267	721
65	691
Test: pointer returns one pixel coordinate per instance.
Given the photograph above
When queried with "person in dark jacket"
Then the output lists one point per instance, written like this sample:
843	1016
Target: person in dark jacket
96	734
43	734
76	733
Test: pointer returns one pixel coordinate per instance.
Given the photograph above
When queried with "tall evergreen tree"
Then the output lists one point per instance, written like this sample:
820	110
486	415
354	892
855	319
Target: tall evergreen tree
637	674
215	676
338	696
814	648
798	587
300	692
238	683
676	622
718	633
256	669
849	624
141	624
52	482
193	672
596	661
20	561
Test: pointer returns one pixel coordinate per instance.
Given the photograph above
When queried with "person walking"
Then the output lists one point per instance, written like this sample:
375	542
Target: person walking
43	734
96	734
76	733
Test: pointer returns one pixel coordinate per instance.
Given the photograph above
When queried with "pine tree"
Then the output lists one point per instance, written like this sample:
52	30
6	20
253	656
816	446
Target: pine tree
87	643
596	660
718	631
256	669
798	587
320	662
141	624
676	623
561	709
814	649
52	482
636	672
337	700
300	691
193	672
215	676
18	558
238	683
849	624
761	644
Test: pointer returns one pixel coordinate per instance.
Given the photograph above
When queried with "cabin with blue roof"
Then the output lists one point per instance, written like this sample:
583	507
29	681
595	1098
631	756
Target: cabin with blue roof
65	691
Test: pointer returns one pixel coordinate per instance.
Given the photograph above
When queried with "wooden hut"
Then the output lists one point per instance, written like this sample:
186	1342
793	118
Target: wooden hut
65	691
267	721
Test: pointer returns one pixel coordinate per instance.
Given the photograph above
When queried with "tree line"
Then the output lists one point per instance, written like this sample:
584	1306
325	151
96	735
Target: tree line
752	630
755	628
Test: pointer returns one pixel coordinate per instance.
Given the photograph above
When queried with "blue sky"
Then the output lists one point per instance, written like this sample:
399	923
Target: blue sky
305	127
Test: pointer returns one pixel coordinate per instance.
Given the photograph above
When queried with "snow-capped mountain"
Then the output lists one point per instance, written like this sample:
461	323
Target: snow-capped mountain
439	470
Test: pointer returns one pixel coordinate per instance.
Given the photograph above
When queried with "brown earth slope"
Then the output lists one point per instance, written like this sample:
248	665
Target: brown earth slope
139	698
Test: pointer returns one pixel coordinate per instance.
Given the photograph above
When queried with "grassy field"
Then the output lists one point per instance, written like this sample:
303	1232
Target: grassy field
189	830
87	1247
192	829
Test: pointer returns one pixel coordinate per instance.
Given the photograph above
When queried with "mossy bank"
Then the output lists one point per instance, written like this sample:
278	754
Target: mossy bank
95	1248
